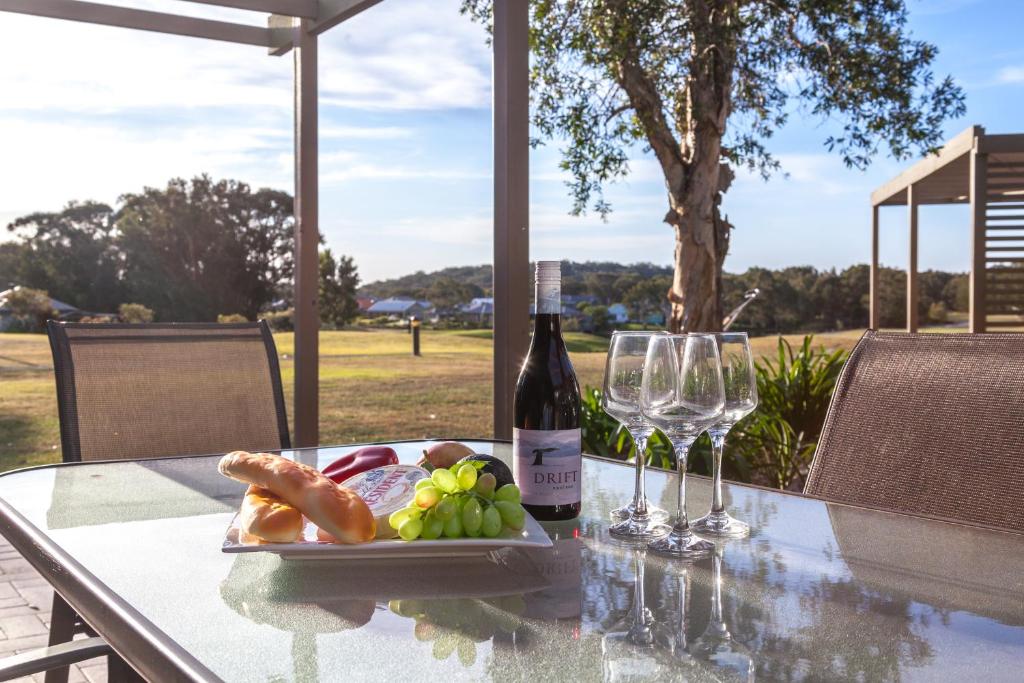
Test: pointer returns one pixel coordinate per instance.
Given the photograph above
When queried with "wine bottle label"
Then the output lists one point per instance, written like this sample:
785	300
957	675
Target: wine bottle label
549	297
547	465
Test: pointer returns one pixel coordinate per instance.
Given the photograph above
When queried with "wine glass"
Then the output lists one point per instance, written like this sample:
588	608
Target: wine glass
730	660
740	400
620	398
682	394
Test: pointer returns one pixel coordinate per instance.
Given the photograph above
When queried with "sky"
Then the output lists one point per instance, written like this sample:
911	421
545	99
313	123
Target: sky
92	112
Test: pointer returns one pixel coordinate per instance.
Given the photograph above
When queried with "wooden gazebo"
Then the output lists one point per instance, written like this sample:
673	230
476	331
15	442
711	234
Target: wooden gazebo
987	172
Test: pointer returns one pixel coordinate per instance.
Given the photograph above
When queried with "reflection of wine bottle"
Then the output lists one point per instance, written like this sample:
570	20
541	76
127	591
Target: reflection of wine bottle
561	565
546	445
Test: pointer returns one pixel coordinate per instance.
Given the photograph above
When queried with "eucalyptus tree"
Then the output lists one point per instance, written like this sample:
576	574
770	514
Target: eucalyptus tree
703	84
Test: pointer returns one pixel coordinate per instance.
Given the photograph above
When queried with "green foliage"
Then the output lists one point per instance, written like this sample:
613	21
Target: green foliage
232	318
608	75
446	293
72	254
773	446
338	283
197	248
280	321
777	441
135	313
599	320
30	308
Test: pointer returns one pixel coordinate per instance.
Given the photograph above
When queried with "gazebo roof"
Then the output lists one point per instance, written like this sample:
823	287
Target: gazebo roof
944	177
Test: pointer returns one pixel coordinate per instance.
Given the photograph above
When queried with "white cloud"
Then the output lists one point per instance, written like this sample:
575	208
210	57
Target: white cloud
49	163
397	55
1010	74
363	132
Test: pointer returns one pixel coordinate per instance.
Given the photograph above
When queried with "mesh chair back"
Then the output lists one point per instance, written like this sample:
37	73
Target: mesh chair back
929	424
144	391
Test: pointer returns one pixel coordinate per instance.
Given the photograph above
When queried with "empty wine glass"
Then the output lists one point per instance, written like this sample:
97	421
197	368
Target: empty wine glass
621	399
740	400
682	394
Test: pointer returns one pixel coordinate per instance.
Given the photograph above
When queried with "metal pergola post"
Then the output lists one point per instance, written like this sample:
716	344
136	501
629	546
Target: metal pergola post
306	417
295	24
913	199
511	204
874	298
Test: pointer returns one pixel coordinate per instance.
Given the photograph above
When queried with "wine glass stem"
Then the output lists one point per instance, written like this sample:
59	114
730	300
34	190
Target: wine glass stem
682	449
638	587
717	435
639	490
716	594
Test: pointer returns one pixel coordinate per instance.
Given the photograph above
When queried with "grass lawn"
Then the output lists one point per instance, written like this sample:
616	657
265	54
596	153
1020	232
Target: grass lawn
371	387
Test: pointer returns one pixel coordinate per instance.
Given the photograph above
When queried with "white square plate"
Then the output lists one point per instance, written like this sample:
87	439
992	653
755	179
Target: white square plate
531	536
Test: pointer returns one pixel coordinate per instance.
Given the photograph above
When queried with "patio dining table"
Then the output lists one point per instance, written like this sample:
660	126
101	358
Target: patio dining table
818	591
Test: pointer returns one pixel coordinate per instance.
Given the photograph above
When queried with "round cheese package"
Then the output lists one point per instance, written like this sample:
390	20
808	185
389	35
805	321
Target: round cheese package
386	490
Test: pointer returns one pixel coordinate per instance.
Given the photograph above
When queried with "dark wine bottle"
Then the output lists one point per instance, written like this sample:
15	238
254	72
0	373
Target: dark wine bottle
546	446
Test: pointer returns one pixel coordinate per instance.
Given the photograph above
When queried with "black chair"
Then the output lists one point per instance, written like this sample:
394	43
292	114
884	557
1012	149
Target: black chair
129	392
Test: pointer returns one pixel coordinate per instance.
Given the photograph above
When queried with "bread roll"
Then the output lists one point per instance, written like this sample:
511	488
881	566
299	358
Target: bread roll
336	510
267	516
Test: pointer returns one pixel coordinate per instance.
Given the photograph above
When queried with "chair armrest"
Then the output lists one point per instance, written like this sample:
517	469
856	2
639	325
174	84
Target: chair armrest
46	658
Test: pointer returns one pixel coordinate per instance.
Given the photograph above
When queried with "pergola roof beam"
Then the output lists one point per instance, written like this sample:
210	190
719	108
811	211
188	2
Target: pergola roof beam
332	13
894	191
307	9
143	20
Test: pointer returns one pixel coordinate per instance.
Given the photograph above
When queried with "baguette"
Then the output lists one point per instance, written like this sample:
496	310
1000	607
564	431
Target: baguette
267	516
337	510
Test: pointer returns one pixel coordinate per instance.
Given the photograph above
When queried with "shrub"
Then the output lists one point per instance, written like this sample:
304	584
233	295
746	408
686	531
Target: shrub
232	318
280	321
777	441
99	319
773	446
134	313
938	313
30	308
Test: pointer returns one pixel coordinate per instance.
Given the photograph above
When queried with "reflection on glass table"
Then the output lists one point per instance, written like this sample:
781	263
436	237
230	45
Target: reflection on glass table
628	650
729	660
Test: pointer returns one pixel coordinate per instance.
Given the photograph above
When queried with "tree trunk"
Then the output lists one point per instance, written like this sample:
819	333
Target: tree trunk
702	234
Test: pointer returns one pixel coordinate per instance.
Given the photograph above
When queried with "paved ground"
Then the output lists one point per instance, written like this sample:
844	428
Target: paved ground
25	601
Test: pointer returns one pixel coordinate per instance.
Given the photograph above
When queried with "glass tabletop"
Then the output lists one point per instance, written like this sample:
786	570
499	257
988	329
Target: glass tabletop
818	591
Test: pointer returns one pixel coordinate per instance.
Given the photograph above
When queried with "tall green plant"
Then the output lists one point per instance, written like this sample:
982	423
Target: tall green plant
777	441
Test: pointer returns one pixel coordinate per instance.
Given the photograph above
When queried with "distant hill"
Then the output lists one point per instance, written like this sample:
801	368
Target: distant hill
573	274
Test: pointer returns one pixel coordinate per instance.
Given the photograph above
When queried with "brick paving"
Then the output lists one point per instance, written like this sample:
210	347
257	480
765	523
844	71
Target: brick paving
25	602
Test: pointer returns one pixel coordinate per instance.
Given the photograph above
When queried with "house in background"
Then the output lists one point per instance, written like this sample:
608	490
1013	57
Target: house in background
401	308
365	302
479	310
8	319
618	313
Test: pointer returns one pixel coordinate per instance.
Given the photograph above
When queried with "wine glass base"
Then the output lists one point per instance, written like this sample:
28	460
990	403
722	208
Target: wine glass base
684	545
636	528
656	514
720	524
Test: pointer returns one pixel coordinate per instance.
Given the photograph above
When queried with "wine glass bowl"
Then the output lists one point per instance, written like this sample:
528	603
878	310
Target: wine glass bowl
682	394
740	384
620	399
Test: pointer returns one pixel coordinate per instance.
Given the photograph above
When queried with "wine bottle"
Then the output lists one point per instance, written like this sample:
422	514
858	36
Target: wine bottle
546	447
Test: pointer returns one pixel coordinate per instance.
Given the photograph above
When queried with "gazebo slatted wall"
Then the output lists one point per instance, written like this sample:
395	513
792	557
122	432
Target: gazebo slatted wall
987	172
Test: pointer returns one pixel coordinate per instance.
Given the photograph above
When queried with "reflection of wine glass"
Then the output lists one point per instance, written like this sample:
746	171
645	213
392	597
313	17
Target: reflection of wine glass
682	394
715	647
628	655
740	400
621	399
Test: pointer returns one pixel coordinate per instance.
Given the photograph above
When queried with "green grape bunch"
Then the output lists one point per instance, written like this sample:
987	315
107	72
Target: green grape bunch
459	501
